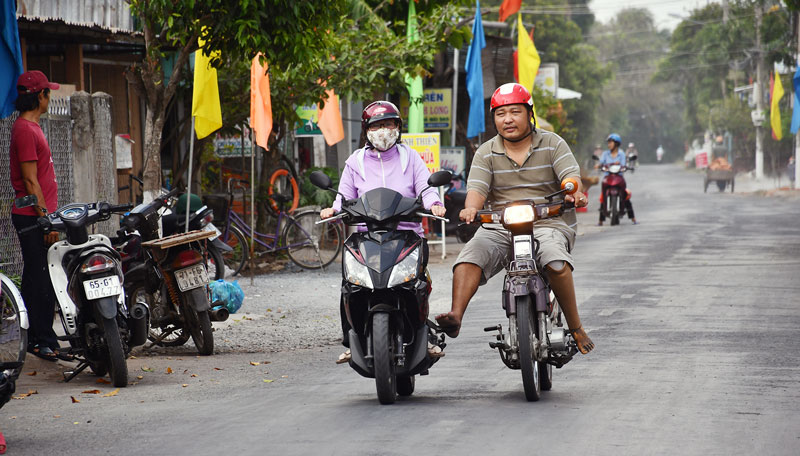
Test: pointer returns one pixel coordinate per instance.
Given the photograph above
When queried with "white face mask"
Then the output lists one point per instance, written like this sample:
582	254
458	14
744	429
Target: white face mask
383	138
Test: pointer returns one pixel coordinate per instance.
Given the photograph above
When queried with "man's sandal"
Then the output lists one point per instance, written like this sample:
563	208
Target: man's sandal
344	357
42	351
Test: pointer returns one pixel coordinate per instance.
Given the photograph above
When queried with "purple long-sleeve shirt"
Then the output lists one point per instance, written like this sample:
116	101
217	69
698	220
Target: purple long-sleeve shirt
398	168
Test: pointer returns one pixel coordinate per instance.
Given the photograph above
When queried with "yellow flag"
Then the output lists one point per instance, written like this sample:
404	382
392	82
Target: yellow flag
205	96
774	109
528	59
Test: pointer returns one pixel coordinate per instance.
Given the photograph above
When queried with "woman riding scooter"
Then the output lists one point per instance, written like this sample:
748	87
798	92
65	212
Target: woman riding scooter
383	162
613	156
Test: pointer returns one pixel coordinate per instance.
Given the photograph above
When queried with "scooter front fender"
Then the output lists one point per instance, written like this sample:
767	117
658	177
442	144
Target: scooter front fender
23	312
106	307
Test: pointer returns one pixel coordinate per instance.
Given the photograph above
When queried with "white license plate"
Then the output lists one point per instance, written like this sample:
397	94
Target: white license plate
191	277
211	227
102	287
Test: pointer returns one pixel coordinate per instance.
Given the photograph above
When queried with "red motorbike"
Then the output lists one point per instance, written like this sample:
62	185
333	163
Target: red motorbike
613	193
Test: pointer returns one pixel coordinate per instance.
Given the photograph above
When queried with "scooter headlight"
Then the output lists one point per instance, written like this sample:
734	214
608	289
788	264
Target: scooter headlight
405	270
518	214
356	272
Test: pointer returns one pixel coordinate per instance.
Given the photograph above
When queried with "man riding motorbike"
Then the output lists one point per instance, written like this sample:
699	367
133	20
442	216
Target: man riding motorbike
613	156
520	162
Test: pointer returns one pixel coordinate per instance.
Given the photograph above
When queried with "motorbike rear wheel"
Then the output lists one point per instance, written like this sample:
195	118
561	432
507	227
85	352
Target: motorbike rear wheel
383	358
118	367
199	325
405	385
527	329
215	264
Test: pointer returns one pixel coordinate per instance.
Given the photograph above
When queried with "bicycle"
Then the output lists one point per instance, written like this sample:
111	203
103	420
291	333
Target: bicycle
307	244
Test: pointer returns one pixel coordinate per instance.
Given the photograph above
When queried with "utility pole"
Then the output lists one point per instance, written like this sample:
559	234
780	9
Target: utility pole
797	136
758	119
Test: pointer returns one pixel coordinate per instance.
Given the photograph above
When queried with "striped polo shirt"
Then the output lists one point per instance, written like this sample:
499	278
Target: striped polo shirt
501	180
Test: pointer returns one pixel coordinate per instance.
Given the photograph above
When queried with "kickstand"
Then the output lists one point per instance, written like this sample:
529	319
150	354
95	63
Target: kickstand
69	375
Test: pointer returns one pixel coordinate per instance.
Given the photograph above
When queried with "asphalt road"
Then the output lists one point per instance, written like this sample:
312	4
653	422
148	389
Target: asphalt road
694	312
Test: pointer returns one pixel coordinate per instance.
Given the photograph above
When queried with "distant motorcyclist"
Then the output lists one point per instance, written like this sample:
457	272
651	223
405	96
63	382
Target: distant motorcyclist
613	156
632	156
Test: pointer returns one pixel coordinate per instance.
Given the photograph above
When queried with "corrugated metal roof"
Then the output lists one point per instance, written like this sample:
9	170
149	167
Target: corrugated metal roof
112	15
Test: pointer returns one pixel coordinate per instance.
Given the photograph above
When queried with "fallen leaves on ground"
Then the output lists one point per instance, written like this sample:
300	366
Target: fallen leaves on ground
185	385
31	373
218	369
169	370
266	380
147	369
113	393
194	375
24	395
91	392
254	363
139	377
74	401
104	381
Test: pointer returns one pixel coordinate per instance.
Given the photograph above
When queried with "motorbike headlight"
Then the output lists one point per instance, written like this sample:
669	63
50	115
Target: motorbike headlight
405	270
355	272
614	168
518	214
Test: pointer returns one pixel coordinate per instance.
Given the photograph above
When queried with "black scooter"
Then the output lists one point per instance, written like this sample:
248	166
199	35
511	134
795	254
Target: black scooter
385	289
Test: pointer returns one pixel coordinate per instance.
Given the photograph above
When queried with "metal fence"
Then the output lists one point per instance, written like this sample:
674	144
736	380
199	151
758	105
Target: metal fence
57	127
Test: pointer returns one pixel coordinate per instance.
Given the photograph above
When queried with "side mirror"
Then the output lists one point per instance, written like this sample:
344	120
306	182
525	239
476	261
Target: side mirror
595	158
26	201
321	180
633	156
440	178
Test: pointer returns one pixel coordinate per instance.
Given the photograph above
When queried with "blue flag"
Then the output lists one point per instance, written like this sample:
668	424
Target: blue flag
476	124
10	58
796	111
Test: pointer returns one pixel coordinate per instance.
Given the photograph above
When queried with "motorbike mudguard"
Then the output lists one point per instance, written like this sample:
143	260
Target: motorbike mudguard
521	286
23	312
221	246
106	307
198	299
417	359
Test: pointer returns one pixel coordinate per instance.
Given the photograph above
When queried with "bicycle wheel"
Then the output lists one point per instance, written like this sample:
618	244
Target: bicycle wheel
309	245
236	258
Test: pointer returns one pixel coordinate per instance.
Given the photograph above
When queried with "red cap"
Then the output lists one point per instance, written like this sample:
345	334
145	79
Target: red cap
35	81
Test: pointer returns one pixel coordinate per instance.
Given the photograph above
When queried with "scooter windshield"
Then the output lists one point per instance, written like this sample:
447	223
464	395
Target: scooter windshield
381	204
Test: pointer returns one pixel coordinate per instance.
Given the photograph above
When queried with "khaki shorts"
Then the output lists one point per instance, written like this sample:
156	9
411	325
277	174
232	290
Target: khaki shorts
491	250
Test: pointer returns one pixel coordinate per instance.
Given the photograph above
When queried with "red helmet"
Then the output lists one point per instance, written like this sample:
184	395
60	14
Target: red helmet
380	110
511	93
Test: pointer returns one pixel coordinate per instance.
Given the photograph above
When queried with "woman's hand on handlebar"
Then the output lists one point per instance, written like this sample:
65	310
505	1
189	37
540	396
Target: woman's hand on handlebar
326	213
438	210
468	214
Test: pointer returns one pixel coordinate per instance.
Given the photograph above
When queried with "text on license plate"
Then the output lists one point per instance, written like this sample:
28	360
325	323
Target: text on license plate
102	287
191	277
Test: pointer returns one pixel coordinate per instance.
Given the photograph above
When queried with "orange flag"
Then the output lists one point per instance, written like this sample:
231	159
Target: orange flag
330	119
508	8
260	102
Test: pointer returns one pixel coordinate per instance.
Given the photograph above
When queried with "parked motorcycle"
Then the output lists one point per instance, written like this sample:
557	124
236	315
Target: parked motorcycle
169	275
536	339
200	218
13	337
454	199
612	194
385	288
86	274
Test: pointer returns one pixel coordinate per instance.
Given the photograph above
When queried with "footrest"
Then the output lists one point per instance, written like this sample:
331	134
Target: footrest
492	328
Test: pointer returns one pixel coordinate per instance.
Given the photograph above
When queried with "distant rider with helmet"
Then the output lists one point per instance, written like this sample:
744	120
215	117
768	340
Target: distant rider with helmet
613	156
521	162
383	161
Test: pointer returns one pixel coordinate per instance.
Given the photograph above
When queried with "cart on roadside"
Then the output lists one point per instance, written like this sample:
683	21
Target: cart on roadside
722	177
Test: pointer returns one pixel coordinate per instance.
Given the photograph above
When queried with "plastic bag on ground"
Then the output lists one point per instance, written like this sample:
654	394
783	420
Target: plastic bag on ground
229	294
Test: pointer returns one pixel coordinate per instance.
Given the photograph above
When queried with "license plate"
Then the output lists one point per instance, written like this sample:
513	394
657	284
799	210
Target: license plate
522	247
102	287
191	277
211	227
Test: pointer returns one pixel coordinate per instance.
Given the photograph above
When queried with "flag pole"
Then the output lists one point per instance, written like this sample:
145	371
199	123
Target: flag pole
252	202
189	180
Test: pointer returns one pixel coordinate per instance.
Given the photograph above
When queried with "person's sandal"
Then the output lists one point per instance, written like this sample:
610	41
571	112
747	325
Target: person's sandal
64	356
344	357
582	340
42	351
435	351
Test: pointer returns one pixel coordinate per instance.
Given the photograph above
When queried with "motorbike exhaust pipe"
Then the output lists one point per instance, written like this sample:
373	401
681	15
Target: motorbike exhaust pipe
137	323
219	313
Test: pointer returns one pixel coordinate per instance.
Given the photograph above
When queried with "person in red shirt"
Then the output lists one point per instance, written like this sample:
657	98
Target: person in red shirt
32	173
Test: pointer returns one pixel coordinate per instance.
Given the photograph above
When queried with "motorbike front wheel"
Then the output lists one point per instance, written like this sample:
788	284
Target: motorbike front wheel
614	205
383	358
116	355
405	385
526	328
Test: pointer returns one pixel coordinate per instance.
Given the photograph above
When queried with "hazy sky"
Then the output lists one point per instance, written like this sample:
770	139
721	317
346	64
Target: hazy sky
661	9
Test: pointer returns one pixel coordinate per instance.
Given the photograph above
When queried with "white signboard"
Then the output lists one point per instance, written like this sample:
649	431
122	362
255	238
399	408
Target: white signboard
547	78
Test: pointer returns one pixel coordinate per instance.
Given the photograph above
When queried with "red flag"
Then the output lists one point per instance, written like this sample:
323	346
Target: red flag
330	119
508	8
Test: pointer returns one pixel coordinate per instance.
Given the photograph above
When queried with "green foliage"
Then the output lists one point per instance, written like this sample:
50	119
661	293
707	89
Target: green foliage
311	195
14	278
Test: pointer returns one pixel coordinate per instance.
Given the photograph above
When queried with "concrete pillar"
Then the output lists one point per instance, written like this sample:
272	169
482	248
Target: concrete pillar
83	147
